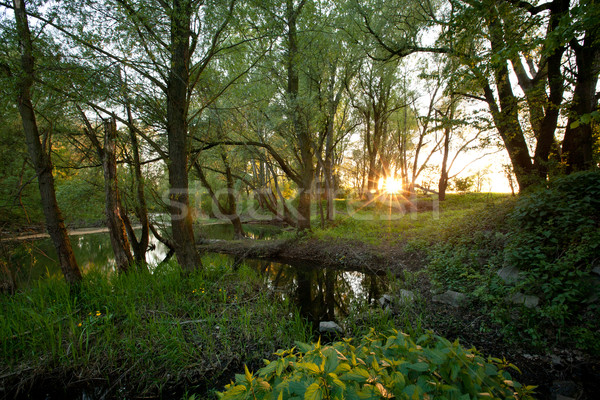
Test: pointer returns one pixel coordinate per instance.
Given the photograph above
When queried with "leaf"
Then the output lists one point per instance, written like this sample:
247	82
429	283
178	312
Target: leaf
331	361
312	367
420	366
313	392
305	348
343	367
336	381
236	391
247	374
358	374
268	370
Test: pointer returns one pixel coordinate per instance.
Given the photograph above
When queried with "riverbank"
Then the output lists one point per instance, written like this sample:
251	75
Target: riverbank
442	268
461	250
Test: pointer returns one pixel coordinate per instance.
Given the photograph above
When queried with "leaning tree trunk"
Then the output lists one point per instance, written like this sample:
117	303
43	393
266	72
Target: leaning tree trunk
141	209
177	131
116	226
40	157
506	116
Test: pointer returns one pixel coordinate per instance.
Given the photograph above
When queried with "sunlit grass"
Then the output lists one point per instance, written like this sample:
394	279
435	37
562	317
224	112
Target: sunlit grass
400	220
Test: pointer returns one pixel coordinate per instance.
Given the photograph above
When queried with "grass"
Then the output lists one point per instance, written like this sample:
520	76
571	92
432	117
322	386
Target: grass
165	334
145	333
376	224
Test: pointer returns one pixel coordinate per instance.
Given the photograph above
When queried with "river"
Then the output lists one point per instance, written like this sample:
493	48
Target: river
321	294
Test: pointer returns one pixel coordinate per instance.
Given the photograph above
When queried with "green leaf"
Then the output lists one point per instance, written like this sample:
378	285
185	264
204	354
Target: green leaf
312	367
420	366
313	392
305	348
358	375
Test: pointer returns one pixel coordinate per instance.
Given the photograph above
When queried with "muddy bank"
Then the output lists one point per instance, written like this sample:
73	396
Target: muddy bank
336	253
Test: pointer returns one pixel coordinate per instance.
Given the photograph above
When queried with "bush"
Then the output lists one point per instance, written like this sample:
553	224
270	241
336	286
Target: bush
555	241
463	185
551	234
380	366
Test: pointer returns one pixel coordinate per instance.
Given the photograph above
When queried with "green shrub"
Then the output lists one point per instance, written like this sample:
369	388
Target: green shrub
555	241
379	367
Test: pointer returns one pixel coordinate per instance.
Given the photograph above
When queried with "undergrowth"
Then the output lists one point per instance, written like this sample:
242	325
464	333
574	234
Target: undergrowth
379	366
143	333
551	237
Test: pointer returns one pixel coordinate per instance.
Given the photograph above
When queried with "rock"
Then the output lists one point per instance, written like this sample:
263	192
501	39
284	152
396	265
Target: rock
451	298
385	300
406	296
564	390
329	326
596	270
556	360
509	274
524	299
561	397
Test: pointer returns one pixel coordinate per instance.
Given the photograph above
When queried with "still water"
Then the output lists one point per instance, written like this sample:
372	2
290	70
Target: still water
320	293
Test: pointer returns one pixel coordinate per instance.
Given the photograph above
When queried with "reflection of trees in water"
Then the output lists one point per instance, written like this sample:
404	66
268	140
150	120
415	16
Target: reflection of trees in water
224	231
32	260
321	294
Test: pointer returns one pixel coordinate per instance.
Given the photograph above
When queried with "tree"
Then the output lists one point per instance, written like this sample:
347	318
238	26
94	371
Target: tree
39	151
491	39
113	207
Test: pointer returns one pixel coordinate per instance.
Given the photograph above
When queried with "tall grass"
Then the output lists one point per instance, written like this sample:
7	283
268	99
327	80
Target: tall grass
144	333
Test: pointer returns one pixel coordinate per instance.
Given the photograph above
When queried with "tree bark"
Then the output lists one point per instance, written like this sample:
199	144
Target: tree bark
300	128
39	155
177	132
116	226
578	143
506	116
141	208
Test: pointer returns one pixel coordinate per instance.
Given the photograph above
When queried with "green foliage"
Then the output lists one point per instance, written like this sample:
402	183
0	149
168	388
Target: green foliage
154	331
552	236
463	185
379	367
555	241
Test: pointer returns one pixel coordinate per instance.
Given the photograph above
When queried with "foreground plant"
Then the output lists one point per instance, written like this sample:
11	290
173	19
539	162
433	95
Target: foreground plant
380	366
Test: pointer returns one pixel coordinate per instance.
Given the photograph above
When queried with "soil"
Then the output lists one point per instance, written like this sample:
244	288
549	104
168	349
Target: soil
561	372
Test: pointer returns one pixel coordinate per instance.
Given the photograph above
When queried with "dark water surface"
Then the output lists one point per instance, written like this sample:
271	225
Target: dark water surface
321	294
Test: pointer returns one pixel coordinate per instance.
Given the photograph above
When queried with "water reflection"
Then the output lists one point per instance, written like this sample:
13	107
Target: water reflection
320	293
225	231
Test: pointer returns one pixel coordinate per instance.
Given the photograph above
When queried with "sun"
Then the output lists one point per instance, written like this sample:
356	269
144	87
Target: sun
391	185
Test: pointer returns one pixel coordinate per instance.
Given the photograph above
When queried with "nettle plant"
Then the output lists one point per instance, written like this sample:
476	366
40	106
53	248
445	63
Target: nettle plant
380	366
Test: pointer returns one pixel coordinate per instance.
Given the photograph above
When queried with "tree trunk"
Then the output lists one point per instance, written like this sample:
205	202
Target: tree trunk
238	230
177	132
116	227
506	117
443	183
578	143
39	155
141	209
300	128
